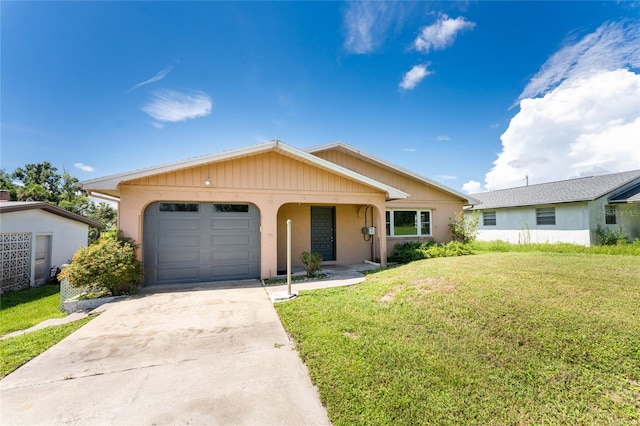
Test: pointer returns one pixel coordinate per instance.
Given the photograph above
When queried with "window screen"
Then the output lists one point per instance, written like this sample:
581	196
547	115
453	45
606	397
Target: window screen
546	216
610	215
489	218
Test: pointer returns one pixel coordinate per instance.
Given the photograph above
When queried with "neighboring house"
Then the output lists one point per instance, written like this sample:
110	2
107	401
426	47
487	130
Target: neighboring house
35	237
223	216
568	211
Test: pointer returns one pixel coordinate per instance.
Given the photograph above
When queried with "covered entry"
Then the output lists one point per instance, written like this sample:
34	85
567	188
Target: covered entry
200	242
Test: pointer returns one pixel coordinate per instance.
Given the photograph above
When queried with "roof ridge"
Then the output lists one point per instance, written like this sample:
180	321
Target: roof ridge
561	181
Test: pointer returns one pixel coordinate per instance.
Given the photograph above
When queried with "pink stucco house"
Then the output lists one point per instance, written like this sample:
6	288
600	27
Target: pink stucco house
223	216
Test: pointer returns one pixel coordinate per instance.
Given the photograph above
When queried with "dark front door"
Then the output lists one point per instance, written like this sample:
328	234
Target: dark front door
323	232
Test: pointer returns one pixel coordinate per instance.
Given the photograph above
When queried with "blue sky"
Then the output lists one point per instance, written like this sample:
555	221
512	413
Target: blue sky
473	94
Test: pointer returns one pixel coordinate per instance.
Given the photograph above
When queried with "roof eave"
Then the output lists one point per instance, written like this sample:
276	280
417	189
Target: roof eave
110	185
391	192
112	182
53	210
371	157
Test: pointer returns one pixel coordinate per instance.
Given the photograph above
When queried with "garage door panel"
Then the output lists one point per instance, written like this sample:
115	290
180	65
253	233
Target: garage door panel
230	224
166	258
230	271
173	274
179	224
230	255
230	240
202	244
177	240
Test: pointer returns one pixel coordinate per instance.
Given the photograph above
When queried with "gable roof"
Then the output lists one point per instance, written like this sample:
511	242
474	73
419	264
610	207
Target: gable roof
109	185
17	206
564	191
629	195
353	151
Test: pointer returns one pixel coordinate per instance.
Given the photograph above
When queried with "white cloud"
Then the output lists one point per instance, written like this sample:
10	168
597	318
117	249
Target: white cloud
174	106
441	34
83	167
612	46
443	138
585	125
579	115
409	150
414	76
472	187
367	23
159	76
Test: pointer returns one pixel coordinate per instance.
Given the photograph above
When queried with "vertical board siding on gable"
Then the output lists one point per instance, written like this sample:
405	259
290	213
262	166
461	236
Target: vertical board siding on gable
416	189
269	171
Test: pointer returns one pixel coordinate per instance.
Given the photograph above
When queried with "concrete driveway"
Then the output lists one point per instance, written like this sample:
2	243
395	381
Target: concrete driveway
211	355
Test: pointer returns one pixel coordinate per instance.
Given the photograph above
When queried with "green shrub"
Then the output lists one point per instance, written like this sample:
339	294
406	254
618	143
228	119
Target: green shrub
463	228
110	264
611	237
311	262
411	251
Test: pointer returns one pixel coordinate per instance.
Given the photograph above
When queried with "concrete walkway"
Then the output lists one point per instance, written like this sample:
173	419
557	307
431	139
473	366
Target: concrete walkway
211	355
47	323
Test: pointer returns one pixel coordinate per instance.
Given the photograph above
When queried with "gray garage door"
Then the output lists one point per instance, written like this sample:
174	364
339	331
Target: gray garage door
200	242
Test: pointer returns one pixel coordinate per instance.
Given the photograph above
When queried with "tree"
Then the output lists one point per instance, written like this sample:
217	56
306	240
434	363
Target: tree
43	175
6	183
42	182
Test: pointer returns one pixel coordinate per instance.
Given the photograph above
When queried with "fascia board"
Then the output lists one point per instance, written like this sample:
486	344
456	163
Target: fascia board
391	192
112	182
332	145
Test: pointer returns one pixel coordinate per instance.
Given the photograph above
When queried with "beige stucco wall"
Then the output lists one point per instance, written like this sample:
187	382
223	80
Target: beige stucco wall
268	180
351	248
422	196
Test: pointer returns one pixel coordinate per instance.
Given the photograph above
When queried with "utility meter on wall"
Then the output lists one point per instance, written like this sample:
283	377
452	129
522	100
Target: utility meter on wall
369	230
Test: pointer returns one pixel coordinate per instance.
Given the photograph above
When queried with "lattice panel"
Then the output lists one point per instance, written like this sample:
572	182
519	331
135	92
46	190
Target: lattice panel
15	252
66	291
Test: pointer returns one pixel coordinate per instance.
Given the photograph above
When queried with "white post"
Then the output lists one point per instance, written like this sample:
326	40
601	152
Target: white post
289	257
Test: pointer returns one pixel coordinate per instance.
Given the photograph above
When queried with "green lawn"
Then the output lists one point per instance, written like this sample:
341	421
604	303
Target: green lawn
495	338
25	308
16	351
22	309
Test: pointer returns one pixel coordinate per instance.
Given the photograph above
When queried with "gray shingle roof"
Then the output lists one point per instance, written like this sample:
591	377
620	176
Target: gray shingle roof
564	191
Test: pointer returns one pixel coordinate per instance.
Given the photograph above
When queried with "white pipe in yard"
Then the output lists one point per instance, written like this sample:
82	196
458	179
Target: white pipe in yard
289	257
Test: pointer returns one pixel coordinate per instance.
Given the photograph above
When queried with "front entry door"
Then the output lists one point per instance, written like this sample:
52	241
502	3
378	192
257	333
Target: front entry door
323	232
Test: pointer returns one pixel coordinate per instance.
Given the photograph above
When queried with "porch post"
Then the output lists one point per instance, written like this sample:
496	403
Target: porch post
382	232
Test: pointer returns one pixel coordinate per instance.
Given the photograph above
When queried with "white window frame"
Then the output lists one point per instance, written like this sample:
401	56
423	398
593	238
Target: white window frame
389	215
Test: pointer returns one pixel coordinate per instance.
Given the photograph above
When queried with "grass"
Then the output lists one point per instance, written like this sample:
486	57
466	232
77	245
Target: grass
25	308
16	351
632	249
496	338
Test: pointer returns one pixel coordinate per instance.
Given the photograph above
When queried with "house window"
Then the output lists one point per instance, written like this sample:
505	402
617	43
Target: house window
178	207
231	208
408	223
546	216
489	218
610	215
